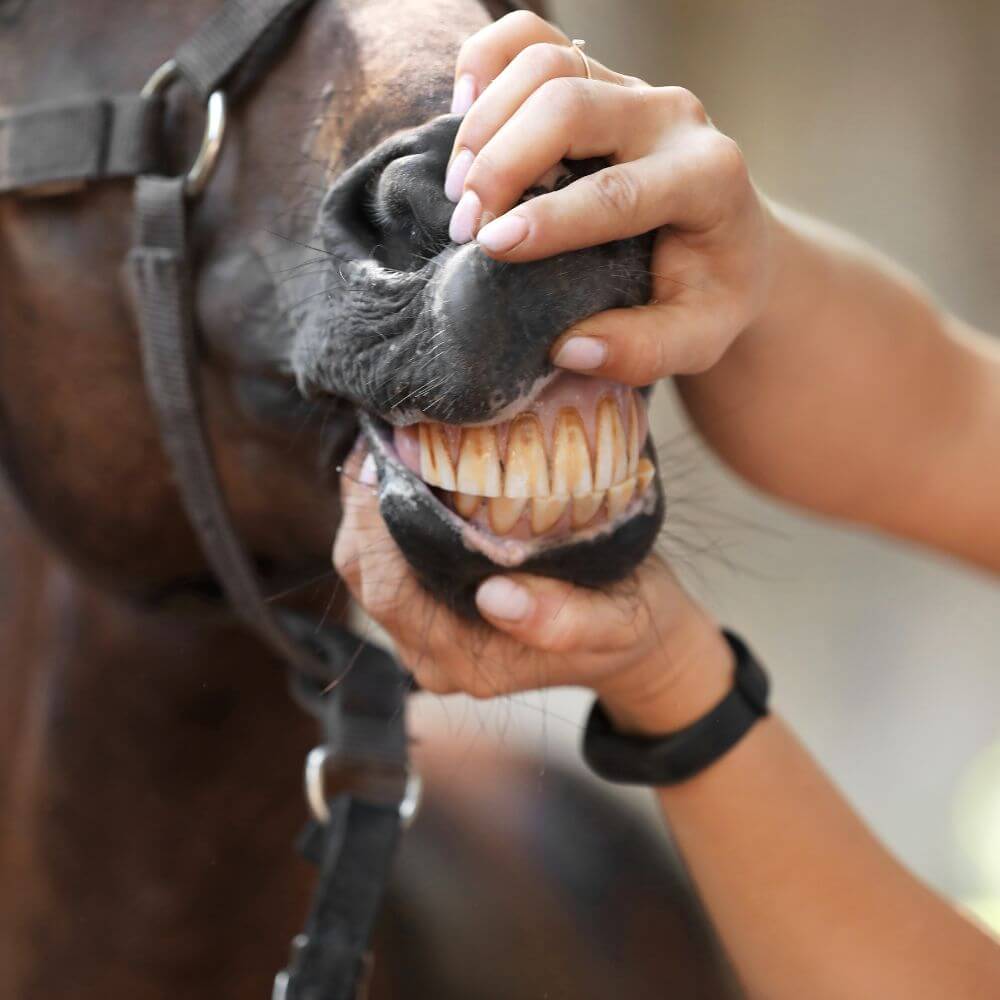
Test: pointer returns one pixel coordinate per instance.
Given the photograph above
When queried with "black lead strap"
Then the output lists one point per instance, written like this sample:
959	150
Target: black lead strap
357	782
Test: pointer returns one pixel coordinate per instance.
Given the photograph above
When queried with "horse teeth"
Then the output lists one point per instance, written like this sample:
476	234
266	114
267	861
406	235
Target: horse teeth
619	497
479	463
585	508
545	512
645	473
611	461
633	435
467	504
435	461
526	471
571	475
505	512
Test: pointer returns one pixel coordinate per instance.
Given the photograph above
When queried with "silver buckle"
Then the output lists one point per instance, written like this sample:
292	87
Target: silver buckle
383	784
197	178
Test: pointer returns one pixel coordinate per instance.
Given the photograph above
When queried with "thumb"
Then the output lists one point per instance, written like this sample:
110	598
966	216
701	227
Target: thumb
555	616
639	345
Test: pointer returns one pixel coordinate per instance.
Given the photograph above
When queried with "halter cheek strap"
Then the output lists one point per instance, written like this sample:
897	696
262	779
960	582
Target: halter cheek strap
361	792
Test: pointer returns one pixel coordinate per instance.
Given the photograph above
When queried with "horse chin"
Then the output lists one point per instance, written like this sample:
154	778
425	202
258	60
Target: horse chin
581	529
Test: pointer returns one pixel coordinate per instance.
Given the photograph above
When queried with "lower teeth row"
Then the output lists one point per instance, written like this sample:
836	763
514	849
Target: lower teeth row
545	512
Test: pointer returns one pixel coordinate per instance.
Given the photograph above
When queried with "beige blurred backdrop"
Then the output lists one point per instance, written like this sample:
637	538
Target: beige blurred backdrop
882	116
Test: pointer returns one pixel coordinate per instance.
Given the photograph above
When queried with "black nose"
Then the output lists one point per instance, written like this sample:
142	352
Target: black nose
391	207
413	324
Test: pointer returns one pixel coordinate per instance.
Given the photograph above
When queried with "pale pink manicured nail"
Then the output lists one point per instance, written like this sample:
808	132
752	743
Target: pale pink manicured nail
464	94
464	219
369	474
499	597
455	178
502	234
581	354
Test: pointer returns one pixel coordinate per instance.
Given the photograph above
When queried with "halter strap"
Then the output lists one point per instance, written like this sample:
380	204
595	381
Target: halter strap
357	692
53	147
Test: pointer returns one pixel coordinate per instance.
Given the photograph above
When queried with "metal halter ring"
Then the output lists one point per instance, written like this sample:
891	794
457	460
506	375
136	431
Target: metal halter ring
374	782
200	174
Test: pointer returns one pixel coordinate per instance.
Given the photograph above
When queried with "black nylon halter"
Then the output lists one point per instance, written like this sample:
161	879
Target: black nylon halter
357	692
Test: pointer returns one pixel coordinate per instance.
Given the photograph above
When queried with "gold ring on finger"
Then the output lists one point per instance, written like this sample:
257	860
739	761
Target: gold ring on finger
577	46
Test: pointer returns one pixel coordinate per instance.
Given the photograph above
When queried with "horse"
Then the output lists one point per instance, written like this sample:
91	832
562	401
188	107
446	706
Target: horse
149	776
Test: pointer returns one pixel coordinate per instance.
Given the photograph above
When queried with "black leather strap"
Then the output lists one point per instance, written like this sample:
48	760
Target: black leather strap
49	147
668	760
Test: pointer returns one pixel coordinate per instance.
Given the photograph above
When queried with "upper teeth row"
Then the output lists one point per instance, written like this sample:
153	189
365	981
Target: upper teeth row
525	470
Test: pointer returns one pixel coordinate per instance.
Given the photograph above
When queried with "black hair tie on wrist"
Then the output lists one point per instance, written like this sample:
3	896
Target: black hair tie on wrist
671	759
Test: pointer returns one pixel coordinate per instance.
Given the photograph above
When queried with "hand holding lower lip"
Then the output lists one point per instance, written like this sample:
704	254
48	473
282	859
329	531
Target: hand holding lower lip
629	643
528	105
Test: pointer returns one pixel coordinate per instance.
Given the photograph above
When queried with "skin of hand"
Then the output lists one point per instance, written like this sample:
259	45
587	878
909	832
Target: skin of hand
651	654
527	105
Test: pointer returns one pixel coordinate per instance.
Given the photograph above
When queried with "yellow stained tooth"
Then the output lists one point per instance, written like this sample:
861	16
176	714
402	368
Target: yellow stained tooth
584	508
505	512
571	475
619	497
435	462
633	435
645	474
545	511
611	461
467	504
479	463
526	471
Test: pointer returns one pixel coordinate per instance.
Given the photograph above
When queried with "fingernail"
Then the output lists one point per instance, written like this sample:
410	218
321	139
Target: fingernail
503	234
500	597
455	178
369	474
464	94
462	227
581	354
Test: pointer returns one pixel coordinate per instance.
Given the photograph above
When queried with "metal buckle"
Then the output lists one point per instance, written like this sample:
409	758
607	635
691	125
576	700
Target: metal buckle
328	774
197	178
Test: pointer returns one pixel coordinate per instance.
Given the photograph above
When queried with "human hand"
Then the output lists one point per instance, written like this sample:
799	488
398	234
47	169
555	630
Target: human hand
528	105
651	654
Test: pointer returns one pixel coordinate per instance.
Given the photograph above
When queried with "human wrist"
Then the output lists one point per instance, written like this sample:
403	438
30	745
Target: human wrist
685	677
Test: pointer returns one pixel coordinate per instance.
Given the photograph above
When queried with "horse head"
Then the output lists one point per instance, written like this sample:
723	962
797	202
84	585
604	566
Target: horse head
327	290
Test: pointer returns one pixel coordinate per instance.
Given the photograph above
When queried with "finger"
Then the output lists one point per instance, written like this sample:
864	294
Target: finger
484	55
620	201
529	69
564	118
686	180
554	616
640	345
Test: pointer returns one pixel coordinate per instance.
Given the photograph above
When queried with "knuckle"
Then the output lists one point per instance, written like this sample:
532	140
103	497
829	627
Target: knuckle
617	192
564	96
522	20
727	159
480	687
558	638
634	82
684	104
488	173
432	681
543	59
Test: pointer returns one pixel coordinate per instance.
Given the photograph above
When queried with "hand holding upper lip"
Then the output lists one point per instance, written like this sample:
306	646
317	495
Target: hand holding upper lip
528	105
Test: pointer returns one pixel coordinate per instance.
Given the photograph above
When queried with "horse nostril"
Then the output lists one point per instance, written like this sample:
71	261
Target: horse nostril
409	211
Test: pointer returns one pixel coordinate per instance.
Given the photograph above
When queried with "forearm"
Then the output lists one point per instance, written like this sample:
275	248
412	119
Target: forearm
805	900
855	396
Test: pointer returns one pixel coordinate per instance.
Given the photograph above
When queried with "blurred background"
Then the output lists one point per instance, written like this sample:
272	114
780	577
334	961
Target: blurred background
882	117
